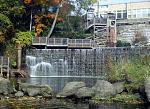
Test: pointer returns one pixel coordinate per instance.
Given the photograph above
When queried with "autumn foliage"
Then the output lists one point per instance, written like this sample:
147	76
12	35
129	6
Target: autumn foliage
52	2
43	21
27	1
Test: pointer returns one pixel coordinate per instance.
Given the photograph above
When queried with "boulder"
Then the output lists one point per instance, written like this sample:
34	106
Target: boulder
19	94
34	90
147	88
84	92
103	89
5	86
70	89
118	87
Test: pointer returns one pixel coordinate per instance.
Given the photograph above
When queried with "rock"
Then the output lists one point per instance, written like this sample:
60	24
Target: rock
19	94
118	87
147	88
103	89
34	90
84	92
5	86
70	89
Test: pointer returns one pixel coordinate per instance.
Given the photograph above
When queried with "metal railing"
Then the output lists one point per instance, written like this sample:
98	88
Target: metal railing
63	42
57	42
39	41
96	21
81	43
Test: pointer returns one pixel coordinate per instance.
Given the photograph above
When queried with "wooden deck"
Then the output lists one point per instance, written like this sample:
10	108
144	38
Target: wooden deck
63	42
99	22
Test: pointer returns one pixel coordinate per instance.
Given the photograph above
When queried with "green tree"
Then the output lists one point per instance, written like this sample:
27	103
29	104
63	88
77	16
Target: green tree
5	28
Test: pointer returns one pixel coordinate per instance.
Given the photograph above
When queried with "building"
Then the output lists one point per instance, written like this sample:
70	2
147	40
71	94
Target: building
130	17
130	10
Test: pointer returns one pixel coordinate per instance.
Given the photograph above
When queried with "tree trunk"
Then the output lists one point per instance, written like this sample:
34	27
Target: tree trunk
54	22
31	21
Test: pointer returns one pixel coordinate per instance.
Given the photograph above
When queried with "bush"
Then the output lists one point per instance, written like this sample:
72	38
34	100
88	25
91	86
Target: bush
122	44
133	71
23	38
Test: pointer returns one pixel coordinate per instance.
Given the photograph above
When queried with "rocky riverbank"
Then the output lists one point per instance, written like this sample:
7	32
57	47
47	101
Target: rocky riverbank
103	91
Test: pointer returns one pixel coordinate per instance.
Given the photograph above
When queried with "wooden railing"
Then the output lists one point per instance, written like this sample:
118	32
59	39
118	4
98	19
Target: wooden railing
63	42
4	65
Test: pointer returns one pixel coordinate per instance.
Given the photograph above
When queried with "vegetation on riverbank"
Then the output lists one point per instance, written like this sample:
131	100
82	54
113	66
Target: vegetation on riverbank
119	98
132	71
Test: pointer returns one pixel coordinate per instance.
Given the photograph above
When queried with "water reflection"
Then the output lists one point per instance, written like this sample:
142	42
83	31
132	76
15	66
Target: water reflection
103	106
61	104
118	106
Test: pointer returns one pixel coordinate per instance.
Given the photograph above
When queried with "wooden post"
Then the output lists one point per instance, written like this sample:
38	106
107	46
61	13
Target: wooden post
19	57
1	66
8	62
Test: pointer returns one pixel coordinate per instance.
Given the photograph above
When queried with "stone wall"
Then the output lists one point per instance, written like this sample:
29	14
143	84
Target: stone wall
127	32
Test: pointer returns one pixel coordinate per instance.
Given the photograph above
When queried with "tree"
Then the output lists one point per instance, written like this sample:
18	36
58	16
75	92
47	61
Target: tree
73	25
5	28
21	39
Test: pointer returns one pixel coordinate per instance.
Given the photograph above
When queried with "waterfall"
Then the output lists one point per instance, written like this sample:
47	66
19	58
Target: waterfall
42	69
30	61
56	67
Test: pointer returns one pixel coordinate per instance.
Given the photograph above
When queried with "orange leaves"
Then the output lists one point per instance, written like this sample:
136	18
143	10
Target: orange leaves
51	16
2	37
27	1
42	21
55	2
39	29
60	19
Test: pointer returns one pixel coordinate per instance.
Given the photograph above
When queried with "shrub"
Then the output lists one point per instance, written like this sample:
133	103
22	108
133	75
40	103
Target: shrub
23	38
133	71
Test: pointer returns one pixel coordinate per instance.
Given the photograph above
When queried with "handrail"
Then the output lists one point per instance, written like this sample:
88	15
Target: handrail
62	42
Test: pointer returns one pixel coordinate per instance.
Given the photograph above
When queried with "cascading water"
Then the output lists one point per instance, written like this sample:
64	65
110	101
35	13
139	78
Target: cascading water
42	69
59	66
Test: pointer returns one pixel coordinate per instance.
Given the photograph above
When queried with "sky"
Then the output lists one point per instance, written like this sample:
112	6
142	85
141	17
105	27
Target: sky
122	1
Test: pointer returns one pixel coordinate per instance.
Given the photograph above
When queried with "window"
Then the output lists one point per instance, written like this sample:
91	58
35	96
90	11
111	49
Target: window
144	13
121	14
148	12
118	15
129	14
124	16
134	13
139	14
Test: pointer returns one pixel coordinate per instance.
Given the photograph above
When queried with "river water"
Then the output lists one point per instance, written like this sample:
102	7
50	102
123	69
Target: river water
53	104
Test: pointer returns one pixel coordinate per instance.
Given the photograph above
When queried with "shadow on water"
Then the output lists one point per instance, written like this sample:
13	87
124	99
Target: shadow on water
71	106
101	106
118	106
